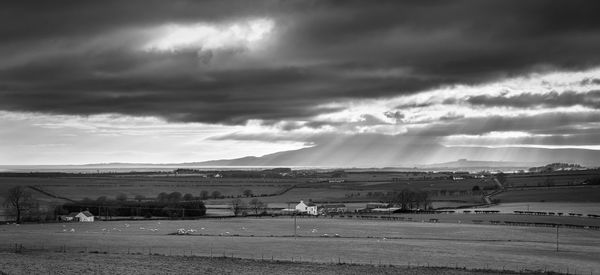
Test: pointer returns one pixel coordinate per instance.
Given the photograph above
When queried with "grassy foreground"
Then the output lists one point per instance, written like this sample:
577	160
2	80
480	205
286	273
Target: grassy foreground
86	263
358	241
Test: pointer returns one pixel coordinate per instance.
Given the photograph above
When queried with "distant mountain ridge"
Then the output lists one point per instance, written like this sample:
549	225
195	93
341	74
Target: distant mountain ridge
364	152
389	152
464	163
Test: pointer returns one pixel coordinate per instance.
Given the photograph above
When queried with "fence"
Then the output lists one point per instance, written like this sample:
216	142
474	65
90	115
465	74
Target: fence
435	220
221	253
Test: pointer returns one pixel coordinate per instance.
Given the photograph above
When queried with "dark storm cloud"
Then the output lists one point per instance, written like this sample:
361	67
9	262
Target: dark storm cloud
547	123
528	100
81	57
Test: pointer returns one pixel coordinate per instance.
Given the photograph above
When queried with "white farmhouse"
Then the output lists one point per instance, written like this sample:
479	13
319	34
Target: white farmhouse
309	208
83	216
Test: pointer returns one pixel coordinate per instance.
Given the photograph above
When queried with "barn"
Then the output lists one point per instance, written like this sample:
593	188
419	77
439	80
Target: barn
83	216
332	208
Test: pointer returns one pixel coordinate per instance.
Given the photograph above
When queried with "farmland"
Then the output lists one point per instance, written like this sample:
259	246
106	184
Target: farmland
326	240
447	240
363	186
554	194
60	263
277	191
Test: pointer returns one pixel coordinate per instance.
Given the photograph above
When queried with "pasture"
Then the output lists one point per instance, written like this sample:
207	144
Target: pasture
357	189
77	188
359	241
556	207
553	178
552	194
61	263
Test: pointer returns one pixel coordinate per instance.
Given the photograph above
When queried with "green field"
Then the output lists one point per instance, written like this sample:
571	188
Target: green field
359	241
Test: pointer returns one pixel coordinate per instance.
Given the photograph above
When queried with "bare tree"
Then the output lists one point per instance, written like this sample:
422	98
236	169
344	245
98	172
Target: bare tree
237	205
204	195
501	177
256	205
17	199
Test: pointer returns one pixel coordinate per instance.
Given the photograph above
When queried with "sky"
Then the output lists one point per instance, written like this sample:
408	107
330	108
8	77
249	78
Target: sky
184	81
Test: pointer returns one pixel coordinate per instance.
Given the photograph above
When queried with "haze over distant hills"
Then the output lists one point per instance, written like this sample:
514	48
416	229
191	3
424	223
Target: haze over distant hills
364	153
426	156
390	151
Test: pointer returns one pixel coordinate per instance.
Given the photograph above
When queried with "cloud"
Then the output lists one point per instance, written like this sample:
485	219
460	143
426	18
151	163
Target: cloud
527	100
547	122
207	37
397	115
84	58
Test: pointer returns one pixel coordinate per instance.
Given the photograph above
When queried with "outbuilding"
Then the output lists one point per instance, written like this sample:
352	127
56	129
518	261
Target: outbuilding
83	216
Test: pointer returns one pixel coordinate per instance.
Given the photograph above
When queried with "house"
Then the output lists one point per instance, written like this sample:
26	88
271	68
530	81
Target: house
309	208
83	216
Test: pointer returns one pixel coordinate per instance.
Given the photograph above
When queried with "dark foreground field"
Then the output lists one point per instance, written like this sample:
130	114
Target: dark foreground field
319	241
86	263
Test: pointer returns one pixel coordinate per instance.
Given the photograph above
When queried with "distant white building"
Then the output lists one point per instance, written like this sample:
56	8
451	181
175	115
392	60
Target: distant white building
83	216
309	208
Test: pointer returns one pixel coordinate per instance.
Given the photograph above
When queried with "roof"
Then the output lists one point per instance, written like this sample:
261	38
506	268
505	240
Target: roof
311	204
85	213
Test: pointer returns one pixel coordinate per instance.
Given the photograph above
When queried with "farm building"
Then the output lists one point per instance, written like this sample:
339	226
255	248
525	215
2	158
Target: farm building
386	210
373	205
332	208
309	208
83	216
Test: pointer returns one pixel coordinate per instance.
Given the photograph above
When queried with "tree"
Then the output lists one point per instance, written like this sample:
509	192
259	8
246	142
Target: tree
175	197
102	199
17	199
237	205
247	193
139	198
501	177
87	201
188	197
122	197
216	194
476	188
423	199
162	197
204	195
256	205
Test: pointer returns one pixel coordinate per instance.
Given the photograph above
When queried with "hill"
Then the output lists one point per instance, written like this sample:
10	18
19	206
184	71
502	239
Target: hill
385	152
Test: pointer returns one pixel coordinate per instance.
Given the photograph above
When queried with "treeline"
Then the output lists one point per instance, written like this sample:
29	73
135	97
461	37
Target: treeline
170	205
79	174
269	173
409	199
405	199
